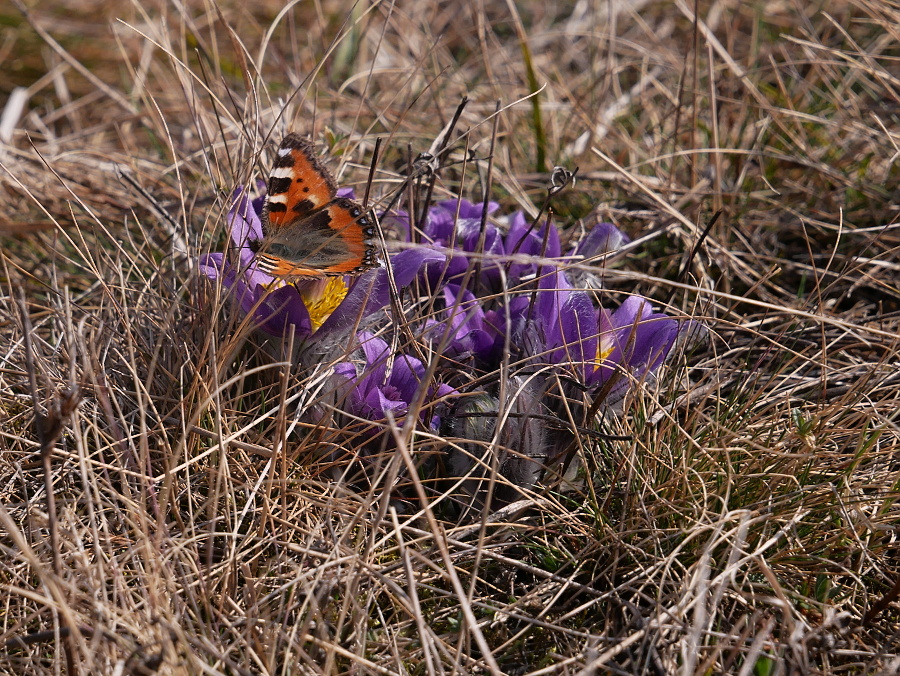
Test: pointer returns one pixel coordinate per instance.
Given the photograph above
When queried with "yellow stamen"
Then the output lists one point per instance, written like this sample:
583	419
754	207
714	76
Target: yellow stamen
603	351
323	299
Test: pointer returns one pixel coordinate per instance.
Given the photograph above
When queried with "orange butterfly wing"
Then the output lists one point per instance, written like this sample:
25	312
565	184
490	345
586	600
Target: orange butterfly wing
309	232
299	184
330	241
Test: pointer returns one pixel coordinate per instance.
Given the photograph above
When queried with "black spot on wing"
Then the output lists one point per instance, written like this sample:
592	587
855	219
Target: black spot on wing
366	219
276	207
279	185
320	221
282	161
305	206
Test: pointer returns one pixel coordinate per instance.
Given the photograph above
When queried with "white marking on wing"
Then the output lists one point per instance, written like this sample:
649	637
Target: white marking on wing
282	172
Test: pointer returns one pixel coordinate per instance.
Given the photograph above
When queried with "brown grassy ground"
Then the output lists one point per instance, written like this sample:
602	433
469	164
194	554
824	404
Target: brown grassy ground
749	526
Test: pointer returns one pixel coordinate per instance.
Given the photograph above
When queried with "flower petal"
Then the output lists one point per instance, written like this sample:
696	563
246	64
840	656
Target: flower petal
603	238
406	376
464	324
372	290
211	264
639	339
244	219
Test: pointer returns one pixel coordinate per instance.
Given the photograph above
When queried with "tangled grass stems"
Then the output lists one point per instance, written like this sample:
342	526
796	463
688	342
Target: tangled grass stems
743	517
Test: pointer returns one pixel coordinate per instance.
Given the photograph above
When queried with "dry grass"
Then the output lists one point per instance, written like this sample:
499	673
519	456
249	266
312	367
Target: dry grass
749	526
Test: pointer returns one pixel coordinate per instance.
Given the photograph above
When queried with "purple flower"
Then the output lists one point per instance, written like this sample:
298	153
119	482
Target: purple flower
462	327
563	328
454	227
528	239
603	238
313	308
459	220
634	338
372	390
566	324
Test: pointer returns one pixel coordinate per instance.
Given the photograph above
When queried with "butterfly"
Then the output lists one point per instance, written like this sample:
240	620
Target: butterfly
308	231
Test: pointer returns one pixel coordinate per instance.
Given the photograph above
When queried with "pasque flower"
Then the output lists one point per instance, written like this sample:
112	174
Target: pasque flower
501	293
526	239
563	328
457	228
313	308
378	386
537	312
461	328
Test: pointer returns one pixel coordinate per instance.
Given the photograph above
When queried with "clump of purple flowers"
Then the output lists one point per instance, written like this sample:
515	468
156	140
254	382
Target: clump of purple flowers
519	302
510	344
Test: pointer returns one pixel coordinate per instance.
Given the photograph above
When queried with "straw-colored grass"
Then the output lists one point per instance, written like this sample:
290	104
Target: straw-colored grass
165	506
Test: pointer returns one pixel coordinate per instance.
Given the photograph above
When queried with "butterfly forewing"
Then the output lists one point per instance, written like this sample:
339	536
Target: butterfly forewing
299	183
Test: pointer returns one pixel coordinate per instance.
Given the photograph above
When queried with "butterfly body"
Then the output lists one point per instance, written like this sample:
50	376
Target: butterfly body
310	232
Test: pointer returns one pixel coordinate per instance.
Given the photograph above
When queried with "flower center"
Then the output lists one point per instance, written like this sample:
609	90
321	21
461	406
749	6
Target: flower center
321	300
391	393
604	349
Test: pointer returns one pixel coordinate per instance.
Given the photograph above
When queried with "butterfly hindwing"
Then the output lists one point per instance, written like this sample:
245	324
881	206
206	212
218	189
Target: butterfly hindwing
356	229
279	267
